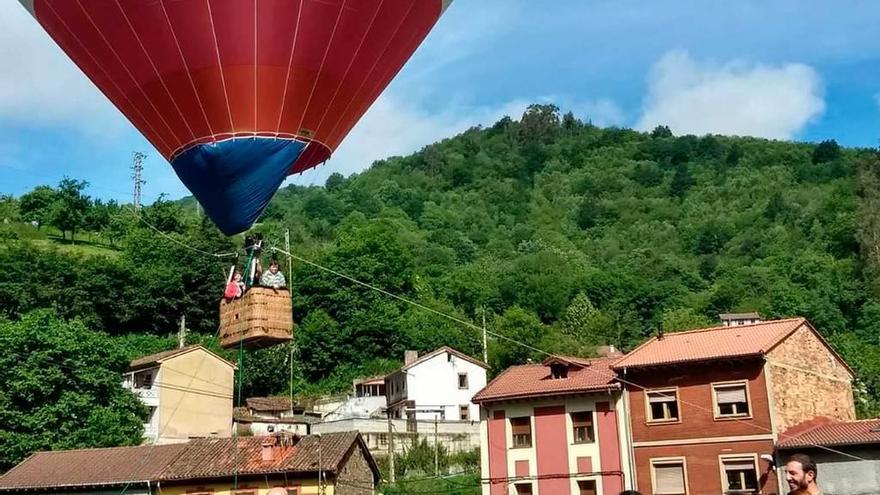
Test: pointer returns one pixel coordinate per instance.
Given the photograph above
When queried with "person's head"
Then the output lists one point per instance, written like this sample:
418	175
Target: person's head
237	276
800	472
630	492
274	266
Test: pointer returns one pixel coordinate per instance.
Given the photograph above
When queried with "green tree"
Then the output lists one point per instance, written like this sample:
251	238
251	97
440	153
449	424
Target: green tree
826	151
68	211
661	131
61	389
682	181
679	319
36	205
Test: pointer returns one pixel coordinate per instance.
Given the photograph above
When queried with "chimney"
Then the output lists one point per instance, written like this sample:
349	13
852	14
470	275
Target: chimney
409	357
269	448
608	351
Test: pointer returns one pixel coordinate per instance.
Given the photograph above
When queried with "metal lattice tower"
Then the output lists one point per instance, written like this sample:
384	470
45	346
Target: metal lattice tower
137	168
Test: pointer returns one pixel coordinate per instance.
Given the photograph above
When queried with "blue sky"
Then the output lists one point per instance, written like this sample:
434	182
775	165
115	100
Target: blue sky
779	69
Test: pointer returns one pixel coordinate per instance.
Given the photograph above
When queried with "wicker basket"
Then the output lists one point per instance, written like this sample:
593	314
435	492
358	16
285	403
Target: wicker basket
261	318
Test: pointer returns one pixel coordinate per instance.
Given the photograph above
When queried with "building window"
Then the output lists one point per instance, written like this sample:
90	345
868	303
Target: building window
739	475
662	405
731	400
522	432
462	381
587	487
464	412
383	439
668	476
582	427
523	488
558	370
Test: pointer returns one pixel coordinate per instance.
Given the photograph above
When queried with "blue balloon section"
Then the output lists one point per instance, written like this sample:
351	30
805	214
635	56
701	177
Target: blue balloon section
234	180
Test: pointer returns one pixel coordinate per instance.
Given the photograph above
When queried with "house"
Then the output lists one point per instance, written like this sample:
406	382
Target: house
705	406
437	385
846	453
187	391
428	398
558	427
333	464
739	319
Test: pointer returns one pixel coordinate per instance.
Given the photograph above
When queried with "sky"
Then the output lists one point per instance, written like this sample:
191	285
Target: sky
779	69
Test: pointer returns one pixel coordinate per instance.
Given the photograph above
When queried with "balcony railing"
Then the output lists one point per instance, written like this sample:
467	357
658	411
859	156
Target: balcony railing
147	393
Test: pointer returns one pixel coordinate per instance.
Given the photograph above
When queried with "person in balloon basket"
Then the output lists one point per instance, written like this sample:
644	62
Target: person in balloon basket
800	474
273	277
235	287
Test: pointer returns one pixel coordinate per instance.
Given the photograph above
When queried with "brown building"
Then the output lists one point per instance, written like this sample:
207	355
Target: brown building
331	464
706	405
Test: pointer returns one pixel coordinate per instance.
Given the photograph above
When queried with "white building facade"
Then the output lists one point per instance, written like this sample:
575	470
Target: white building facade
438	385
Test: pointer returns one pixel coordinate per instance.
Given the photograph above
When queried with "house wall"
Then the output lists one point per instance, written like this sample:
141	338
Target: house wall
553	451
434	383
257	486
842	475
355	477
807	380
703	466
196	399
261	428
456	436
696	402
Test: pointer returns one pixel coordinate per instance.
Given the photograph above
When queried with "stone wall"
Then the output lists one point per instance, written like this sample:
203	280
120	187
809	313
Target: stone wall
355	477
806	380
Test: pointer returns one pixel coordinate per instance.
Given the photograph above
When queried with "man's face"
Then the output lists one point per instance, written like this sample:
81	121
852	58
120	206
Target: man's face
796	477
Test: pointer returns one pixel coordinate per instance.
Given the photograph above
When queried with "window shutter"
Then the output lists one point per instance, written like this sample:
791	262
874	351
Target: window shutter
520	426
669	478
581	419
739	465
729	395
657	397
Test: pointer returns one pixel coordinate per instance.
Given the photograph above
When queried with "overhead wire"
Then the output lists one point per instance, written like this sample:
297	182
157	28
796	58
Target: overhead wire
611	376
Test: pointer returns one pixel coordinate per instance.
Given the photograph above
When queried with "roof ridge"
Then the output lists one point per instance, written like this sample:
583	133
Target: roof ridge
721	327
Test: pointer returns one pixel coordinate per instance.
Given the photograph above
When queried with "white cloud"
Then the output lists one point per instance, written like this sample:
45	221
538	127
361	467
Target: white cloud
40	86
735	98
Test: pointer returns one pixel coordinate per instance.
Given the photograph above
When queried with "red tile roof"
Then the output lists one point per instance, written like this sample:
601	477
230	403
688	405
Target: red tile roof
206	458
441	350
90	467
829	433
223	457
711	343
270	404
533	380
155	359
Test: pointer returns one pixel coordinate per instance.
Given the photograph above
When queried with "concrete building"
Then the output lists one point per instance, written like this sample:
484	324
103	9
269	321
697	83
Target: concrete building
267	415
850	462
333	464
706	405
188	392
439	384
554	428
455	436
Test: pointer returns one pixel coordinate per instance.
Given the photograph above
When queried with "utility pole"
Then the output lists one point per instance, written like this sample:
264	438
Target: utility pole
181	333
390	448
485	340
137	168
436	449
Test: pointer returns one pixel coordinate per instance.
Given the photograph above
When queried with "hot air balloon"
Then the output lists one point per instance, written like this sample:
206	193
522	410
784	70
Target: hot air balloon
238	94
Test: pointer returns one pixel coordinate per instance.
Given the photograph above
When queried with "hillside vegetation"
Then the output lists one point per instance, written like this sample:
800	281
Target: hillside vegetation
563	235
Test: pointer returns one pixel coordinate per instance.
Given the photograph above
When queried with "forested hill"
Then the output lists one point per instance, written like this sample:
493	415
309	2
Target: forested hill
565	235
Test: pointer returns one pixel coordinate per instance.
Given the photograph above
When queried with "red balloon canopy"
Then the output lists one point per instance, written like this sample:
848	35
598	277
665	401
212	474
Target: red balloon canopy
195	72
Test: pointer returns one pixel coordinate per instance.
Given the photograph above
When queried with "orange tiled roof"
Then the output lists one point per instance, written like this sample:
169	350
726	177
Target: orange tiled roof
828	433
90	467
710	343
206	458
533	380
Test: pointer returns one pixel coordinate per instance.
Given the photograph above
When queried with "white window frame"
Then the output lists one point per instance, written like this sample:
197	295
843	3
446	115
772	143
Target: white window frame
738	457
570	421
668	460
532	485
668	390
716	410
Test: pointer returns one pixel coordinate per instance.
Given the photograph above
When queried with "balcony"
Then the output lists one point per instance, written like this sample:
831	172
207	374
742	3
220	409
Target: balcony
151	431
